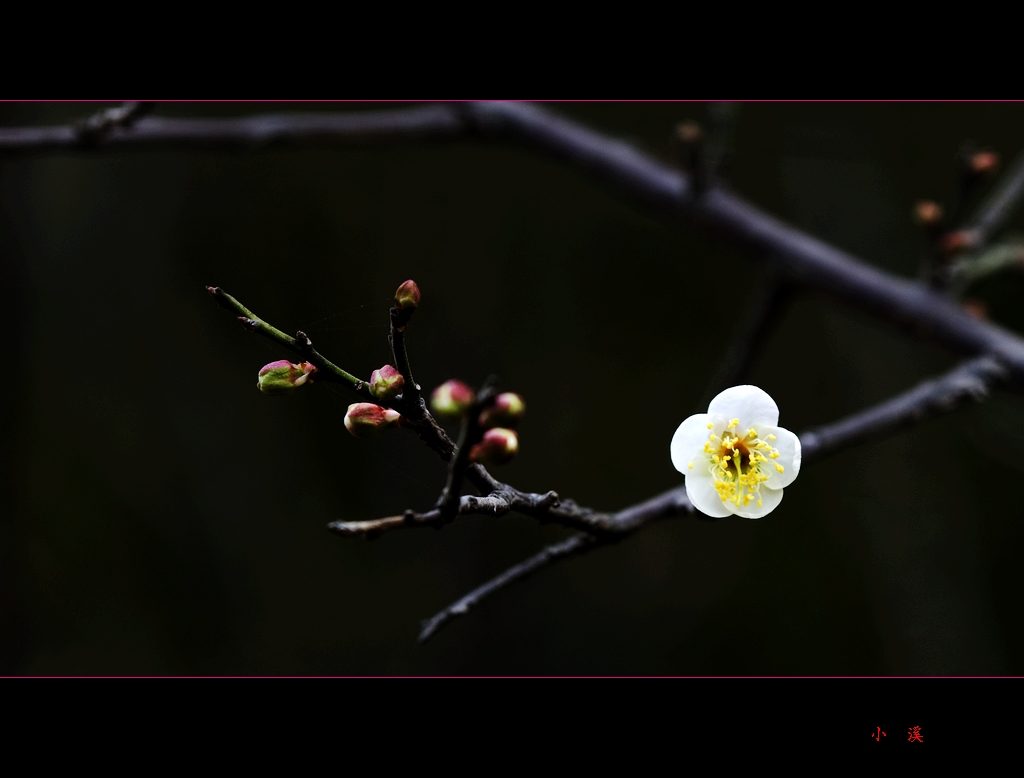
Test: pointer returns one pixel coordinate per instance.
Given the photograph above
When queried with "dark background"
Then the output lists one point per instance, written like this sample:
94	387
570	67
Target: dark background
161	516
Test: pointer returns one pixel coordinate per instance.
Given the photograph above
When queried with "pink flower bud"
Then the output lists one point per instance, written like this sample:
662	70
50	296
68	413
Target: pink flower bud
365	420
386	383
407	296
497	447
282	377
507	410
451	399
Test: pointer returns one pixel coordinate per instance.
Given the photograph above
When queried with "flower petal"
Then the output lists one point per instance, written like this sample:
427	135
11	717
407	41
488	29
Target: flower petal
688	442
769	501
788	446
751	405
701	491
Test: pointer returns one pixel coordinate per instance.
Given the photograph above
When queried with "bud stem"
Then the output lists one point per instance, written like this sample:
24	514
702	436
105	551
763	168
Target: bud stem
328	370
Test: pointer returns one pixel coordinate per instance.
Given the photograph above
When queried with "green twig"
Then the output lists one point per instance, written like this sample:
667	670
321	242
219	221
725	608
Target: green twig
328	371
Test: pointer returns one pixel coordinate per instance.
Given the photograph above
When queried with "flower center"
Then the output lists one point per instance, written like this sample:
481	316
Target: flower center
739	463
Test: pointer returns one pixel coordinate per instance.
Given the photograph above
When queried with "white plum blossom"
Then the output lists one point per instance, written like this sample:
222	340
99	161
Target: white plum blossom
735	457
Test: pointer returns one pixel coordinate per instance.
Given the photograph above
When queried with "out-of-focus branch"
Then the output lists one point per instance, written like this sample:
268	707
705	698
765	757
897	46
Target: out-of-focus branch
972	380
91	130
999	206
758	319
244	133
807	260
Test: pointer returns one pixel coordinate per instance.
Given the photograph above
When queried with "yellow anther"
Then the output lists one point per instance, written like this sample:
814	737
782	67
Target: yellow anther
734	423
710	425
771	437
759	503
690	465
780	468
752	433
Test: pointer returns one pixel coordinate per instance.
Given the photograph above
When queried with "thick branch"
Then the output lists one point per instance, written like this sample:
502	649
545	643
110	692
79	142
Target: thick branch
800	256
970	381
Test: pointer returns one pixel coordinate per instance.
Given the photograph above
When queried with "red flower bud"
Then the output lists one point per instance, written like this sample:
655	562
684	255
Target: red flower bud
366	420
507	410
408	295
497	447
281	377
451	399
386	383
928	213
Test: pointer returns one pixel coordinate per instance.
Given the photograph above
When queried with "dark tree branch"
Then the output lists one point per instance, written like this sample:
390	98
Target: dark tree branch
614	527
250	132
92	129
799	257
805	259
574	545
970	381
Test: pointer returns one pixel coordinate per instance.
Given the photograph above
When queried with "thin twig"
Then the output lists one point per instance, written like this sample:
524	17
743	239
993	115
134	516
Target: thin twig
970	381
415	416
615	527
570	547
327	370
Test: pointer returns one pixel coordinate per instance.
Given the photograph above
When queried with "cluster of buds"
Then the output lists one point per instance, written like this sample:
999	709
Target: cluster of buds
282	377
366	420
498	444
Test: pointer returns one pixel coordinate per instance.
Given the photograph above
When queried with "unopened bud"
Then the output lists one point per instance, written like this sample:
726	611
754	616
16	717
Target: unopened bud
386	383
366	420
689	131
407	296
282	377
928	213
497	447
975	308
507	410
451	399
983	163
